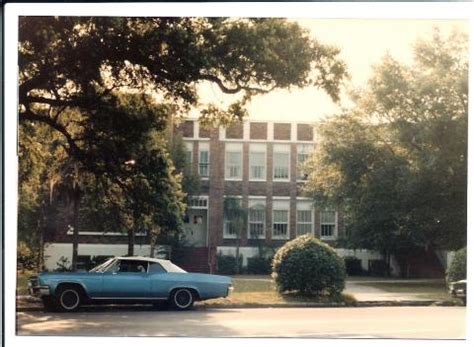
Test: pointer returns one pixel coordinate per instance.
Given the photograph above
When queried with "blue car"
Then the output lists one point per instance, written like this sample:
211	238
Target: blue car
128	280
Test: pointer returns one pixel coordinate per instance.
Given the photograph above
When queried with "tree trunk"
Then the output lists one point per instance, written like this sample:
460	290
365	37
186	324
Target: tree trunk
40	260
75	236
153	235
237	254
131	241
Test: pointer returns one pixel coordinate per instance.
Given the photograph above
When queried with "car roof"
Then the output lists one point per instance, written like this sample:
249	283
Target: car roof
138	258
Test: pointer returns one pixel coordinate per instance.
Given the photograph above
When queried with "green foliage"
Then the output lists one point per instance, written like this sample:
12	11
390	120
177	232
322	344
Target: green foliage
458	268
259	266
26	257
235	214
395	164
85	103
353	266
229	264
308	266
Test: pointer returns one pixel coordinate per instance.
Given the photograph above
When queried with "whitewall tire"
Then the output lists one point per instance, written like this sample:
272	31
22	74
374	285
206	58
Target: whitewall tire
182	299
69	299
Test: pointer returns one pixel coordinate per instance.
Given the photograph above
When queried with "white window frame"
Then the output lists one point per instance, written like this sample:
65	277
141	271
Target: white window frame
334	235
258	148
281	149
253	203
302	149
305	206
281	205
199	202
233	148
204	147
227	223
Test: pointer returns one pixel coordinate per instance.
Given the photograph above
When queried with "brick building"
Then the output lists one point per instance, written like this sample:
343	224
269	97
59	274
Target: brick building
258	163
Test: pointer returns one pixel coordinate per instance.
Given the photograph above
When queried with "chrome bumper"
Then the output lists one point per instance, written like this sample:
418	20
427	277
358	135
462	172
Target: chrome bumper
230	289
38	291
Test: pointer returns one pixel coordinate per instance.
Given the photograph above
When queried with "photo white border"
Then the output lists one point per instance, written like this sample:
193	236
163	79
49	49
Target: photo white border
425	10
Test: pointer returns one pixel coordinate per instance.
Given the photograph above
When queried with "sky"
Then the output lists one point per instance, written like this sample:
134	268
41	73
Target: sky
363	43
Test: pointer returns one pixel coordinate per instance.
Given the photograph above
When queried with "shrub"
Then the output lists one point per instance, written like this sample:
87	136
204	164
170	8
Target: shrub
353	266
308	266
457	268
259	266
227	264
26	258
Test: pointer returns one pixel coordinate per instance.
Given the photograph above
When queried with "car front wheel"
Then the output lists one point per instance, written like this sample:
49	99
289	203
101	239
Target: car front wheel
69	299
182	299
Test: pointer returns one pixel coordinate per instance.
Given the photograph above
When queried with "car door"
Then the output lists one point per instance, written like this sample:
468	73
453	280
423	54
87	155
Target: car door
128	279
160	283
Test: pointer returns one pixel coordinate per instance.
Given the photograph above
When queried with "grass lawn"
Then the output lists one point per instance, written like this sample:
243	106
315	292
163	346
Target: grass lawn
260	289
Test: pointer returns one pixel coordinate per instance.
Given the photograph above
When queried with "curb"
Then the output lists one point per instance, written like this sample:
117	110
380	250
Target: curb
36	306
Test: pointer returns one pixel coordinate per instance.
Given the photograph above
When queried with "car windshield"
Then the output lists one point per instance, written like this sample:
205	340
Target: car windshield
103	267
170	267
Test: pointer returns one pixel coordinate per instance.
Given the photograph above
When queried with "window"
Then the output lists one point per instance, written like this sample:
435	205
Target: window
233	161
198	202
155	268
257	161
281	219
328	224
303	154
281	162
132	266
230	222
204	159
189	153
304	218
256	218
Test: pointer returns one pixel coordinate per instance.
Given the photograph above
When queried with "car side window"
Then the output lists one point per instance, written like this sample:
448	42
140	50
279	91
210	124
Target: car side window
132	266
155	268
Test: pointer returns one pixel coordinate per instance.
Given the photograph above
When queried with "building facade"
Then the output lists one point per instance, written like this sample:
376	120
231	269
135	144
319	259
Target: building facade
259	164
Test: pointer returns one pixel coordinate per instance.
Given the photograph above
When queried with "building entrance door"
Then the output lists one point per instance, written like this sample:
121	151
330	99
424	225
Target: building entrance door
196	228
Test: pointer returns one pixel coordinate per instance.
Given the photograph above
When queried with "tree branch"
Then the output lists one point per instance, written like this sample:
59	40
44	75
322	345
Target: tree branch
73	149
235	90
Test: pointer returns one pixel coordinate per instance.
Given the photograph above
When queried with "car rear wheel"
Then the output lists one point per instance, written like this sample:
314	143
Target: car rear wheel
69	299
182	299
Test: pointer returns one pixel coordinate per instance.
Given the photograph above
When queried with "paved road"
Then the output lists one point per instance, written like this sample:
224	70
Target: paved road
376	322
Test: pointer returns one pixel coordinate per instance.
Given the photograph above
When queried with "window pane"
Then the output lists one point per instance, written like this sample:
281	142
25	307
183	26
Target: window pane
204	163
280	229
257	165
256	215
328	217
327	230
281	165
303	229
303	216
234	161
280	216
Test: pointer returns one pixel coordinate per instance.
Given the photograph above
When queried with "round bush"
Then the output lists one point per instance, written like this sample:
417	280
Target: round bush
308	266
457	268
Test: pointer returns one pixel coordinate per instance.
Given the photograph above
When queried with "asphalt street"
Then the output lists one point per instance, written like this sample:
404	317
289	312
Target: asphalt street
368	322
